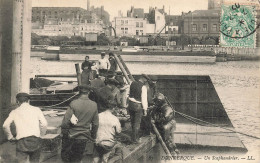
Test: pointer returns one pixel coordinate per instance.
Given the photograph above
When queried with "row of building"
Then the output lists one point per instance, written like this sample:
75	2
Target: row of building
74	21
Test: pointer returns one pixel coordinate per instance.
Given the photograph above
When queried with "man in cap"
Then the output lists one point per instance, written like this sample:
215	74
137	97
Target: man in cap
137	105
86	64
151	91
29	122
163	117
79	126
103	64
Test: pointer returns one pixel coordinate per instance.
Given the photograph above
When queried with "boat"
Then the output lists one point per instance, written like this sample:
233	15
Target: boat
51	53
133	54
192	96
201	119
164	57
134	49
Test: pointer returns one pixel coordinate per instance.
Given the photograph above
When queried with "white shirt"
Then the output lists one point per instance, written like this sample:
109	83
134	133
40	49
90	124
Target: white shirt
143	98
104	63
109	126
28	121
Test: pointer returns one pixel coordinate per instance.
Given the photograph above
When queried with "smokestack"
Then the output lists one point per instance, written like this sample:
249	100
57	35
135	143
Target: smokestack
88	4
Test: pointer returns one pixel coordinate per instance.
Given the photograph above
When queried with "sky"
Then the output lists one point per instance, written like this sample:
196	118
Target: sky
113	6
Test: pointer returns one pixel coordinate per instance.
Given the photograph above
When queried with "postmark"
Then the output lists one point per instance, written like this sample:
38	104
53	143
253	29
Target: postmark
238	26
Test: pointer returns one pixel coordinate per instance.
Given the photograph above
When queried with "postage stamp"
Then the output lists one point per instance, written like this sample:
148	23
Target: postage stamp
238	26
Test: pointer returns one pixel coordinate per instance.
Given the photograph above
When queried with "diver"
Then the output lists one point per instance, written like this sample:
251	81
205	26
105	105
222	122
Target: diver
163	117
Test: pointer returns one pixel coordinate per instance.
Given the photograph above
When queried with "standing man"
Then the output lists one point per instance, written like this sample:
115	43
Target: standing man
79	126
29	123
104	64
86	64
137	105
112	62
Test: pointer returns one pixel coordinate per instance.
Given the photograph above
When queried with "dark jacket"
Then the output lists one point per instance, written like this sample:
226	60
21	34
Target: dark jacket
86	64
136	90
113	64
86	112
102	96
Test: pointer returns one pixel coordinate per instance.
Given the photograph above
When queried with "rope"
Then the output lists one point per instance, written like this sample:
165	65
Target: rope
62	101
211	124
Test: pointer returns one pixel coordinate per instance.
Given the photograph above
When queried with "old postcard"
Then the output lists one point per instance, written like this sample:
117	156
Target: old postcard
130	81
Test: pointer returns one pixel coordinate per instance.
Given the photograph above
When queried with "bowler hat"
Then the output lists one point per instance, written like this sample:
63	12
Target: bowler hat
112	81
22	94
111	74
153	77
84	88
146	77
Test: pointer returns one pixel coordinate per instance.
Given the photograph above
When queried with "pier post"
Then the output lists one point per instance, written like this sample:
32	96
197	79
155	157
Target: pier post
15	39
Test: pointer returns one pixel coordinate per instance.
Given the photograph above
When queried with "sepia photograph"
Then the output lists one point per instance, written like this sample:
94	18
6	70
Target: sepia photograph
129	81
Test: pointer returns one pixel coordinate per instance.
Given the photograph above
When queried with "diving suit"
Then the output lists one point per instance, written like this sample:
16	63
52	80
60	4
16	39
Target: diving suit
163	118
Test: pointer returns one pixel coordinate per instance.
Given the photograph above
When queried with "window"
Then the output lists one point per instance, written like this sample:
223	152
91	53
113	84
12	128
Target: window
122	22
141	24
194	27
204	27
126	21
122	30
137	24
141	32
137	32
126	30
214	27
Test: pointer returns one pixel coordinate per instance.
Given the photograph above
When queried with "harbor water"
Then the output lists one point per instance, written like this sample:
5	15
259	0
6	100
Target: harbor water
237	84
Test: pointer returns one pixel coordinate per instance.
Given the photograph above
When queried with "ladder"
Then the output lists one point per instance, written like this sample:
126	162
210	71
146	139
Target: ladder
124	68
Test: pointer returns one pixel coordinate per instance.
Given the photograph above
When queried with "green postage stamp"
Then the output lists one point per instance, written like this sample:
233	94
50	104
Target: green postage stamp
238	26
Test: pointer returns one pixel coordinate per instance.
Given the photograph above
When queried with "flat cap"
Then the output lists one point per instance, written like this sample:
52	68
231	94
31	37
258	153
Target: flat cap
22	94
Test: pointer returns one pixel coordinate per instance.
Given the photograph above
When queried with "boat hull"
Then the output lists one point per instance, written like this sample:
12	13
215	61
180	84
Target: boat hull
146	58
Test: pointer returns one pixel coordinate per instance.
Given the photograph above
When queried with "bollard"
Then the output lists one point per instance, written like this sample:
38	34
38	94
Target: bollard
78	73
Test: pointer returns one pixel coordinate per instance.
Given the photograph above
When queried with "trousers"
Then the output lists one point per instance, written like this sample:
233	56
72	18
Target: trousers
136	113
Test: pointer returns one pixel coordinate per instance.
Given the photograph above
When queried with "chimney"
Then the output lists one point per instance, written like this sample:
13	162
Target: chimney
163	8
88	4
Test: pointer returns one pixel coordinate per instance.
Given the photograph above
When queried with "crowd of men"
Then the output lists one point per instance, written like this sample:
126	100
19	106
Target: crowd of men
91	118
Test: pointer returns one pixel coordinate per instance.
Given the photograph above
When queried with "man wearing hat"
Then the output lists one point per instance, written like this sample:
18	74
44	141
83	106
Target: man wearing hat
79	126
29	122
102	94
137	105
103	64
112	62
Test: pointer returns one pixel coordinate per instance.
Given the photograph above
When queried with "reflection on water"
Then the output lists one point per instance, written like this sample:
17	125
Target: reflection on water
237	84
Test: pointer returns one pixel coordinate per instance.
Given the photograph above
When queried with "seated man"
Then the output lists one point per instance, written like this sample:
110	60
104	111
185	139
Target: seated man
163	117
109	126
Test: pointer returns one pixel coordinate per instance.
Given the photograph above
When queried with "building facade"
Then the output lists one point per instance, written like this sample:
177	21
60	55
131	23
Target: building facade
128	26
65	21
201	23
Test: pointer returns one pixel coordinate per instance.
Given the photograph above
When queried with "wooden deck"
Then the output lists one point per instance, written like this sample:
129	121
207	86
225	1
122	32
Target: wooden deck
203	136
